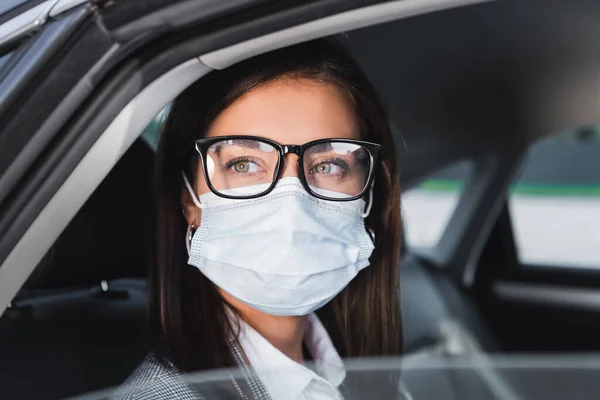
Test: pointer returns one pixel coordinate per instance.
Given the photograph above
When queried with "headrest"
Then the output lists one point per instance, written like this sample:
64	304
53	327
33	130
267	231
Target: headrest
109	237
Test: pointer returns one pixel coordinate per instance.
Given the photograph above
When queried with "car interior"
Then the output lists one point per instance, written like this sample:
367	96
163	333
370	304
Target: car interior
480	84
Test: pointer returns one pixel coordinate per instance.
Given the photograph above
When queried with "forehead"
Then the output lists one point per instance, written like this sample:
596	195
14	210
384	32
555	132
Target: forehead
290	111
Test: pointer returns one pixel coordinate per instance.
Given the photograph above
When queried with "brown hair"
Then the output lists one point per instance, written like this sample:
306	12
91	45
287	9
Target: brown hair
186	312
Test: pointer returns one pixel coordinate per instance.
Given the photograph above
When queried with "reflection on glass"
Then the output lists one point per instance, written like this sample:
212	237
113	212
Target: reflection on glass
428	375
335	170
340	168
241	163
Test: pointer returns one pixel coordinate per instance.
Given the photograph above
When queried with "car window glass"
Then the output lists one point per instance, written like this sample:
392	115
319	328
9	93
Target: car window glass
428	207
555	203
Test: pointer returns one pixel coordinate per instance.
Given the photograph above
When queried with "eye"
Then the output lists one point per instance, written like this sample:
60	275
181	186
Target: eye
326	168
245	166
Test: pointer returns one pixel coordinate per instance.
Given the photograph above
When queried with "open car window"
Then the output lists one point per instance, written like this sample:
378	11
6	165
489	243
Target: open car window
555	203
428	207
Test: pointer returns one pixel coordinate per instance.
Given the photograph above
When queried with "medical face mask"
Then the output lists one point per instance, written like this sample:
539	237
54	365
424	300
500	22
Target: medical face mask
285	253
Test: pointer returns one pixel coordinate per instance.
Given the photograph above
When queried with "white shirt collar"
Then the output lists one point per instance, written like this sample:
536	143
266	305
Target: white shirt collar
285	378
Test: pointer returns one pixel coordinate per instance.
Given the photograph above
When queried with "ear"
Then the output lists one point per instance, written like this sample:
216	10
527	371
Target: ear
191	212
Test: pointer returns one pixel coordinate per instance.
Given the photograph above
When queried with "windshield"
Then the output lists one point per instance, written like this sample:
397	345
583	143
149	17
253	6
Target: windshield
434	376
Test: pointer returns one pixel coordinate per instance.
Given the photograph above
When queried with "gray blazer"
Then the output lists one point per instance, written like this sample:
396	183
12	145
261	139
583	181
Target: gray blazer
154	379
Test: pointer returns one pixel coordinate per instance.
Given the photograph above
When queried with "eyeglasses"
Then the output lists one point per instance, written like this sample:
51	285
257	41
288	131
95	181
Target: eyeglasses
246	167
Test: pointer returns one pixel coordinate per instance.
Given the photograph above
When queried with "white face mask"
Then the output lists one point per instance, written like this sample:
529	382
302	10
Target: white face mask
286	253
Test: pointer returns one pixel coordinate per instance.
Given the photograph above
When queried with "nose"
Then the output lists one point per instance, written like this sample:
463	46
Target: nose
290	166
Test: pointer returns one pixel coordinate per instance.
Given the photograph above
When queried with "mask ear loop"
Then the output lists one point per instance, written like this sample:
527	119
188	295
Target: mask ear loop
189	233
195	198
370	204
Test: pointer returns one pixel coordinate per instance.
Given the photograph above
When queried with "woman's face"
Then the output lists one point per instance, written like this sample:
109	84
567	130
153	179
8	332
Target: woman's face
288	111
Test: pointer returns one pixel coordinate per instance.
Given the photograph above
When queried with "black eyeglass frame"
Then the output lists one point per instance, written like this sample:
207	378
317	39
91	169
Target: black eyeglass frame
375	150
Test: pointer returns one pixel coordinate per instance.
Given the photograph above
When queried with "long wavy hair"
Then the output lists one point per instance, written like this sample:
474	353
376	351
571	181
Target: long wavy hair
186	312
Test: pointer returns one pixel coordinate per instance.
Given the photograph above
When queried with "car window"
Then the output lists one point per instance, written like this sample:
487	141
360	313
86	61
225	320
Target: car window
428	207
555	203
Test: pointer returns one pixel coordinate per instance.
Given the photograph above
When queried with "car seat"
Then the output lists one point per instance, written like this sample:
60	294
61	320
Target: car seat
78	323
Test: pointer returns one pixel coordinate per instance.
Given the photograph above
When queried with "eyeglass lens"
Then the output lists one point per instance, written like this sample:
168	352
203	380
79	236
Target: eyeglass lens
337	169
248	167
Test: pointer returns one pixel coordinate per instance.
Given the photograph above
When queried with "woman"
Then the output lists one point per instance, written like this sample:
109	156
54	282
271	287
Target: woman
278	196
